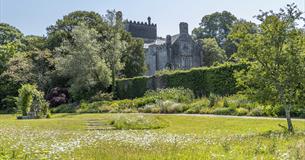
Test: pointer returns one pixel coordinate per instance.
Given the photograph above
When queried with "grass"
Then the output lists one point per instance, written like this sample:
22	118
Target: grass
89	136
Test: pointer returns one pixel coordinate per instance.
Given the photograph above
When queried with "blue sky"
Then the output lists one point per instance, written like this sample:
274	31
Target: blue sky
33	16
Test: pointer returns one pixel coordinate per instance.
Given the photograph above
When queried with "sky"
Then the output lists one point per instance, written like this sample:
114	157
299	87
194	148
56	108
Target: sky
32	17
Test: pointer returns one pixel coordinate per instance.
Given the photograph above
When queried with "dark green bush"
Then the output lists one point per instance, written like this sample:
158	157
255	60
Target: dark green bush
8	105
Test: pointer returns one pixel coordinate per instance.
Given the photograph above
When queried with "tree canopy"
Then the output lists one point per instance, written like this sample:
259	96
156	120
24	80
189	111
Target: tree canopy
212	53
217	25
83	63
277	56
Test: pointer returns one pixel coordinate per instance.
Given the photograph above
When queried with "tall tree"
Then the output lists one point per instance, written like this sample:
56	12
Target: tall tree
63	28
83	63
115	47
212	53
61	31
217	25
134	59
276	74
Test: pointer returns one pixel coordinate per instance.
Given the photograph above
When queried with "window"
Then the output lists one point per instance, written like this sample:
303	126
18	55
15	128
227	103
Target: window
186	62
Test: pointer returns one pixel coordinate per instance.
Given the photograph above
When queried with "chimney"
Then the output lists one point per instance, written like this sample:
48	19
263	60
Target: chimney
168	40
184	28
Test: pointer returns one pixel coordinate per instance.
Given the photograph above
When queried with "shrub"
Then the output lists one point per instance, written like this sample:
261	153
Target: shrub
9	105
206	111
226	103
57	96
256	112
269	110
151	108
170	107
102	96
88	108
64	108
241	112
223	111
213	99
138	122
180	95
197	105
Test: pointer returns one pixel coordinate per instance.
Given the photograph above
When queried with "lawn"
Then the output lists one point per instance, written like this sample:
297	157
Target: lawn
90	136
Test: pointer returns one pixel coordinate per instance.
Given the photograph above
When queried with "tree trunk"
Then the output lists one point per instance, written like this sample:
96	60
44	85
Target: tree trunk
287	109
288	117
113	80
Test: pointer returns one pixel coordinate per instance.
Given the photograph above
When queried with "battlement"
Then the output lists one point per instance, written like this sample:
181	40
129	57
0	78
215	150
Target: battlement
144	24
145	30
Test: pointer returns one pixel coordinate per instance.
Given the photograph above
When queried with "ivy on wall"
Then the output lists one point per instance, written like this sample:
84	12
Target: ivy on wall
202	81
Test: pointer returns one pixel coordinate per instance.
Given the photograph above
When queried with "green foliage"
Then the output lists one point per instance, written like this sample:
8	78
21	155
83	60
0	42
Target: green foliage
223	111
134	59
169	107
31	100
217	25
133	87
62	30
256	112
276	73
7	51
9	34
242	112
180	95
33	43
8	105
115	46
213	99
212	53
64	108
138	122
202	81
240	29
102	96
197	105
83	64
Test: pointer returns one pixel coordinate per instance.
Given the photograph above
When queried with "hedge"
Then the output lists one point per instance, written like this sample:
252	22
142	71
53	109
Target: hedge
202	81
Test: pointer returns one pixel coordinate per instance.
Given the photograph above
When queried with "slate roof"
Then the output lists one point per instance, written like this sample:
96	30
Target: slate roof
158	42
161	41
175	37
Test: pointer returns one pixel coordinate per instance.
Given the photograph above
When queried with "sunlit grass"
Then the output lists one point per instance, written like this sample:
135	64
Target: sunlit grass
68	136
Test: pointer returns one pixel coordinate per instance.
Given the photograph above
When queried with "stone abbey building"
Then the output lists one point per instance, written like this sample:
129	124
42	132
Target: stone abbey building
179	51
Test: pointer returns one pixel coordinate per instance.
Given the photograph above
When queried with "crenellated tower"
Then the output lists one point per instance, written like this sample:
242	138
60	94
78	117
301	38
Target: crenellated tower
145	30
